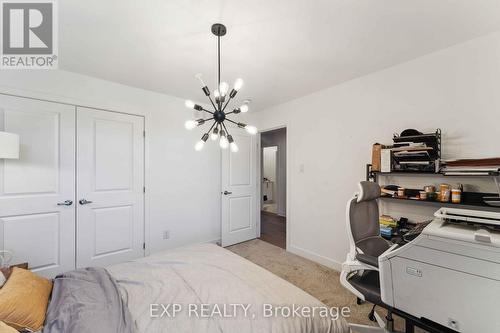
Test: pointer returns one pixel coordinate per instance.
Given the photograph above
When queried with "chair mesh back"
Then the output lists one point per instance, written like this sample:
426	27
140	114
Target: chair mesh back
364	219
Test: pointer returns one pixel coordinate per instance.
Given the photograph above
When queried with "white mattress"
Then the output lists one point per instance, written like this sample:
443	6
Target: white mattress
208	274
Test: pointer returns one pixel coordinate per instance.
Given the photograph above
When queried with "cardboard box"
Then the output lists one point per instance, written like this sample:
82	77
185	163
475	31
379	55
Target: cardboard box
376	151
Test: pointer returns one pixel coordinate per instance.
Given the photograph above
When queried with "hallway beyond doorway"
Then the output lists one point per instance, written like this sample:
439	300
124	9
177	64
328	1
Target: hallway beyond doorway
273	166
273	229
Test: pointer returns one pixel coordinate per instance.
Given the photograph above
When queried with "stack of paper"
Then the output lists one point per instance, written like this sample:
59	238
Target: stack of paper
472	167
414	154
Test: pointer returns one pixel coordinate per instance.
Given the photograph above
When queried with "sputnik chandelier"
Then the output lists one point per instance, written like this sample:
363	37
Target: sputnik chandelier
218	129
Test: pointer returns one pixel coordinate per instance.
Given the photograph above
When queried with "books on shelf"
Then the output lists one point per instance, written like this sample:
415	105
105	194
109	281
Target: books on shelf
387	221
472	167
386	232
480	162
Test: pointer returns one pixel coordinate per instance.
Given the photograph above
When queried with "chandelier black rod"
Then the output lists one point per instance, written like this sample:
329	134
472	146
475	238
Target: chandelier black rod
218	58
213	104
203	109
228	100
231	121
227	132
211	127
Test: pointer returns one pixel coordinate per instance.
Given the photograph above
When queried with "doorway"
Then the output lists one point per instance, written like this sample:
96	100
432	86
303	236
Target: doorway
273	187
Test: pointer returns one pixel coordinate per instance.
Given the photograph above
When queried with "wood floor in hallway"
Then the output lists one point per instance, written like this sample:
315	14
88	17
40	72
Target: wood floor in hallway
273	229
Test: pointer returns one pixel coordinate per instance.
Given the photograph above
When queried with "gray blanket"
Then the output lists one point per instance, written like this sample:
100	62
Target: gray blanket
87	301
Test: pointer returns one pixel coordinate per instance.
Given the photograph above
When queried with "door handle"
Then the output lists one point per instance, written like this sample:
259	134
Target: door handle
84	202
65	203
227	192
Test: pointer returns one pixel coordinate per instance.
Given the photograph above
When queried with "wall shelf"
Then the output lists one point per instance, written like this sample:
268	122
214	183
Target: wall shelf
372	175
465	205
415	173
471	200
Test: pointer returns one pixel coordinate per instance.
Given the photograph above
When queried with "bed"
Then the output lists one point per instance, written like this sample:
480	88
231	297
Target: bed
201	288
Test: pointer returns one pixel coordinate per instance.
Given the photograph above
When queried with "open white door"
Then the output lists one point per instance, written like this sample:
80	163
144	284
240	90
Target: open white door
239	190
110	183
37	191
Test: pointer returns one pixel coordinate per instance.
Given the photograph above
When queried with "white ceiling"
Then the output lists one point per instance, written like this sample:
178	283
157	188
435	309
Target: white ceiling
283	49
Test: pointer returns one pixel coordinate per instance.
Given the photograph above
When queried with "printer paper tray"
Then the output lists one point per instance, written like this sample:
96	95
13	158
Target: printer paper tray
446	296
482	268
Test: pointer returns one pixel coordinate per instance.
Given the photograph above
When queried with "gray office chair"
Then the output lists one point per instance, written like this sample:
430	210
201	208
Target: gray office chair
360	270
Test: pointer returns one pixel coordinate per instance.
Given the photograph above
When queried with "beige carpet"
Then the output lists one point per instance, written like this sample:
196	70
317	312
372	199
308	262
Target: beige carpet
317	280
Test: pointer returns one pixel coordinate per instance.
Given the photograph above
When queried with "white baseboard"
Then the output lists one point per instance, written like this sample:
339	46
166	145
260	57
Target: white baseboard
216	241
328	262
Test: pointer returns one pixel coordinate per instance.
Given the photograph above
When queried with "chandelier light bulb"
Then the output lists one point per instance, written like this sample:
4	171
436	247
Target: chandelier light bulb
223	88
238	84
216	93
251	129
244	108
190	124
189	104
203	85
215	134
232	144
200	78
199	145
223	143
234	147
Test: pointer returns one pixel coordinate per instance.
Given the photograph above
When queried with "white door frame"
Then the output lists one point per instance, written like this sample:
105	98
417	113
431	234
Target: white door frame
259	181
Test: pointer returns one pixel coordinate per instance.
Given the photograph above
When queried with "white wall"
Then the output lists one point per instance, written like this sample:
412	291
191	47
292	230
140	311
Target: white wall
183	186
278	138
330	133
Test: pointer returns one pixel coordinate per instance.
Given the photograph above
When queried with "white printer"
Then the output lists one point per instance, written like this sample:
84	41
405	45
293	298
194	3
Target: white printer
450	273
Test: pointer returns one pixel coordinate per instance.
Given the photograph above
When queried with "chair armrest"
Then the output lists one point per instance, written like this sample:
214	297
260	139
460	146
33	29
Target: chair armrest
356	265
348	267
367	259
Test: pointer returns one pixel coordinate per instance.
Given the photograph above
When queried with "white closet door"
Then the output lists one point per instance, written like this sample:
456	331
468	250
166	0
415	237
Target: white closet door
239	186
110	182
32	224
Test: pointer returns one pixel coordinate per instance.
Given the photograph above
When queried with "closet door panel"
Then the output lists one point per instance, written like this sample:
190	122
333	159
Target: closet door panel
38	169
110	224
32	224
114	171
41	251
